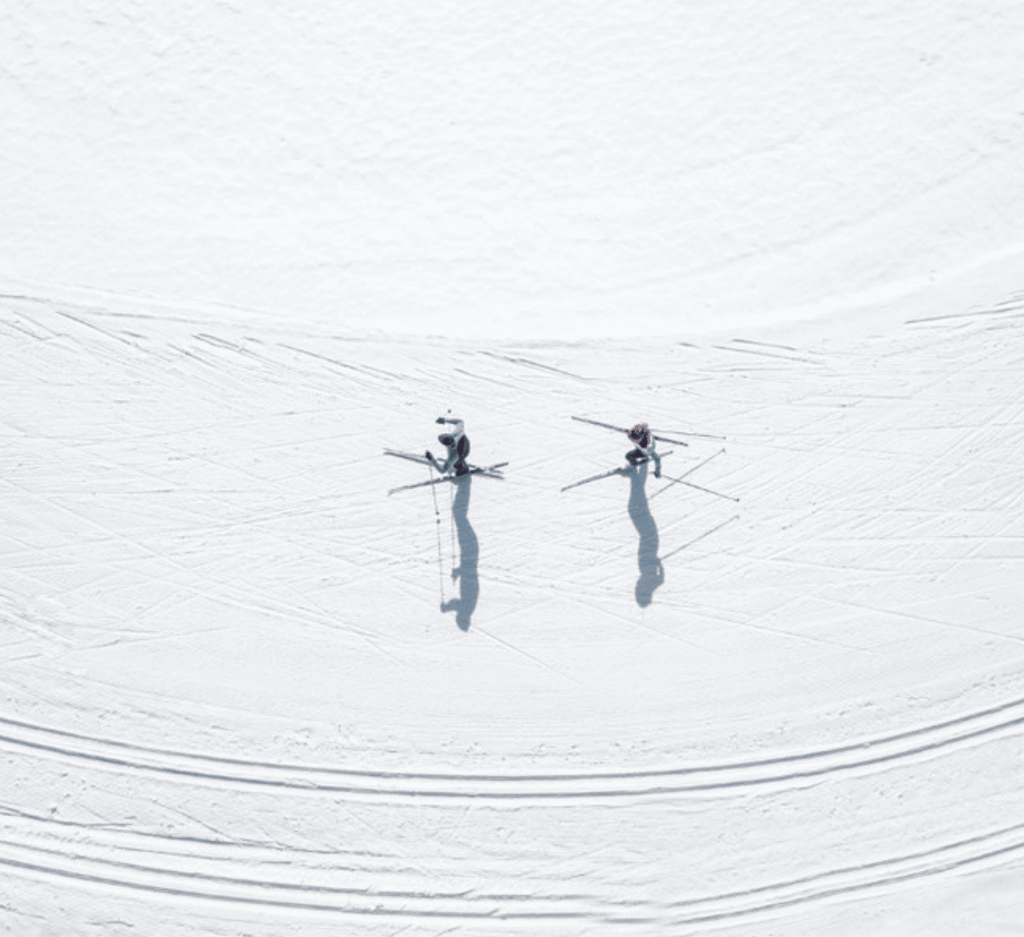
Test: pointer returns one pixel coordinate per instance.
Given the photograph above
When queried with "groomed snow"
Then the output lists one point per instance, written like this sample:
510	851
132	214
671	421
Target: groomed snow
483	168
246	692
233	703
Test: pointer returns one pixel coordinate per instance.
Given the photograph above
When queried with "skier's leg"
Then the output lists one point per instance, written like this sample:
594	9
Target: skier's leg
451	460
657	463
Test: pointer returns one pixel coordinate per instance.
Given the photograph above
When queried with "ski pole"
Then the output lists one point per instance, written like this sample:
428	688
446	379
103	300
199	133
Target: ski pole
437	515
677	481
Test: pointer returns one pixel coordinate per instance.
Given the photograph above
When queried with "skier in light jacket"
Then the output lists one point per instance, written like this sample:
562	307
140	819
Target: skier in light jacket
643	439
457	443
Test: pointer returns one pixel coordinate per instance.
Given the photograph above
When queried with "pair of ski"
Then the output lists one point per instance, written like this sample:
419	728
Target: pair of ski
487	471
492	471
681	480
671	481
621	470
655	434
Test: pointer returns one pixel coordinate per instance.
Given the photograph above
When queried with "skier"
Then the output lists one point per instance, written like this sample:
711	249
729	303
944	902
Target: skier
644	440
457	443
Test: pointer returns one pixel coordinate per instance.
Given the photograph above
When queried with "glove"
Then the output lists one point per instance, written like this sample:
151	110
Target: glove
440	419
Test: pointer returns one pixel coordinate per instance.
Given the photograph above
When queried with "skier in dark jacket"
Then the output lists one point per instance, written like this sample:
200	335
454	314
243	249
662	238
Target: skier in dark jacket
457	443
641	436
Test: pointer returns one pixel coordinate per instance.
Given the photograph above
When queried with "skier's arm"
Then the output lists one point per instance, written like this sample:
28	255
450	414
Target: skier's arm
459	429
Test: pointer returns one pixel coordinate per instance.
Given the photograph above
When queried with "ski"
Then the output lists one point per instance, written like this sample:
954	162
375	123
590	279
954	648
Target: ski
485	471
423	460
618	471
677	481
583	419
686	432
407	455
623	429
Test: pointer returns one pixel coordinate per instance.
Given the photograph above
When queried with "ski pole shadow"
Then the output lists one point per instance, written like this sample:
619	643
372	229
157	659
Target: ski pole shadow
652	573
469	552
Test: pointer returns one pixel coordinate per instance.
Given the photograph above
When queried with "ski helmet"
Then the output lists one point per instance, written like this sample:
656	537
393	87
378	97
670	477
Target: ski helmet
638	432
446	439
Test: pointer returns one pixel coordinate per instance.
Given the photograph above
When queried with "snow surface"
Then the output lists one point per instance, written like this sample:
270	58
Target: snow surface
244	691
233	704
545	169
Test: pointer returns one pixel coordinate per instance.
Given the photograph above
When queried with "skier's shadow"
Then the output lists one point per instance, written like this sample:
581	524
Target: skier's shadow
652	574
469	552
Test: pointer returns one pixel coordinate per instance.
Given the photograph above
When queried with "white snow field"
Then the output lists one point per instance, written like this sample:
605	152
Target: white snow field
232	702
246	692
539	169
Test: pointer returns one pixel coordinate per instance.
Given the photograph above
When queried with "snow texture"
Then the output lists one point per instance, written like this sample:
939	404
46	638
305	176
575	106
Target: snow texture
246	692
534	169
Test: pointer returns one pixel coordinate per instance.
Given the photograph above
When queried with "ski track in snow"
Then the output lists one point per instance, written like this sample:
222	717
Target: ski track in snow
1004	721
228	689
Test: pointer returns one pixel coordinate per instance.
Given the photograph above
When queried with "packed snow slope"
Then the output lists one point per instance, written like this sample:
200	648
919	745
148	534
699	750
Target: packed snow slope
245	691
543	169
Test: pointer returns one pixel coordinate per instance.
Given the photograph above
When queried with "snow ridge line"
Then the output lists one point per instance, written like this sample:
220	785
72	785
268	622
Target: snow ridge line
985	849
786	770
287	881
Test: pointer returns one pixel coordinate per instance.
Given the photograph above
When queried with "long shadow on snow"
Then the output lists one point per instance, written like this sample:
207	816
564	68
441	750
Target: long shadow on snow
469	552
652	573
